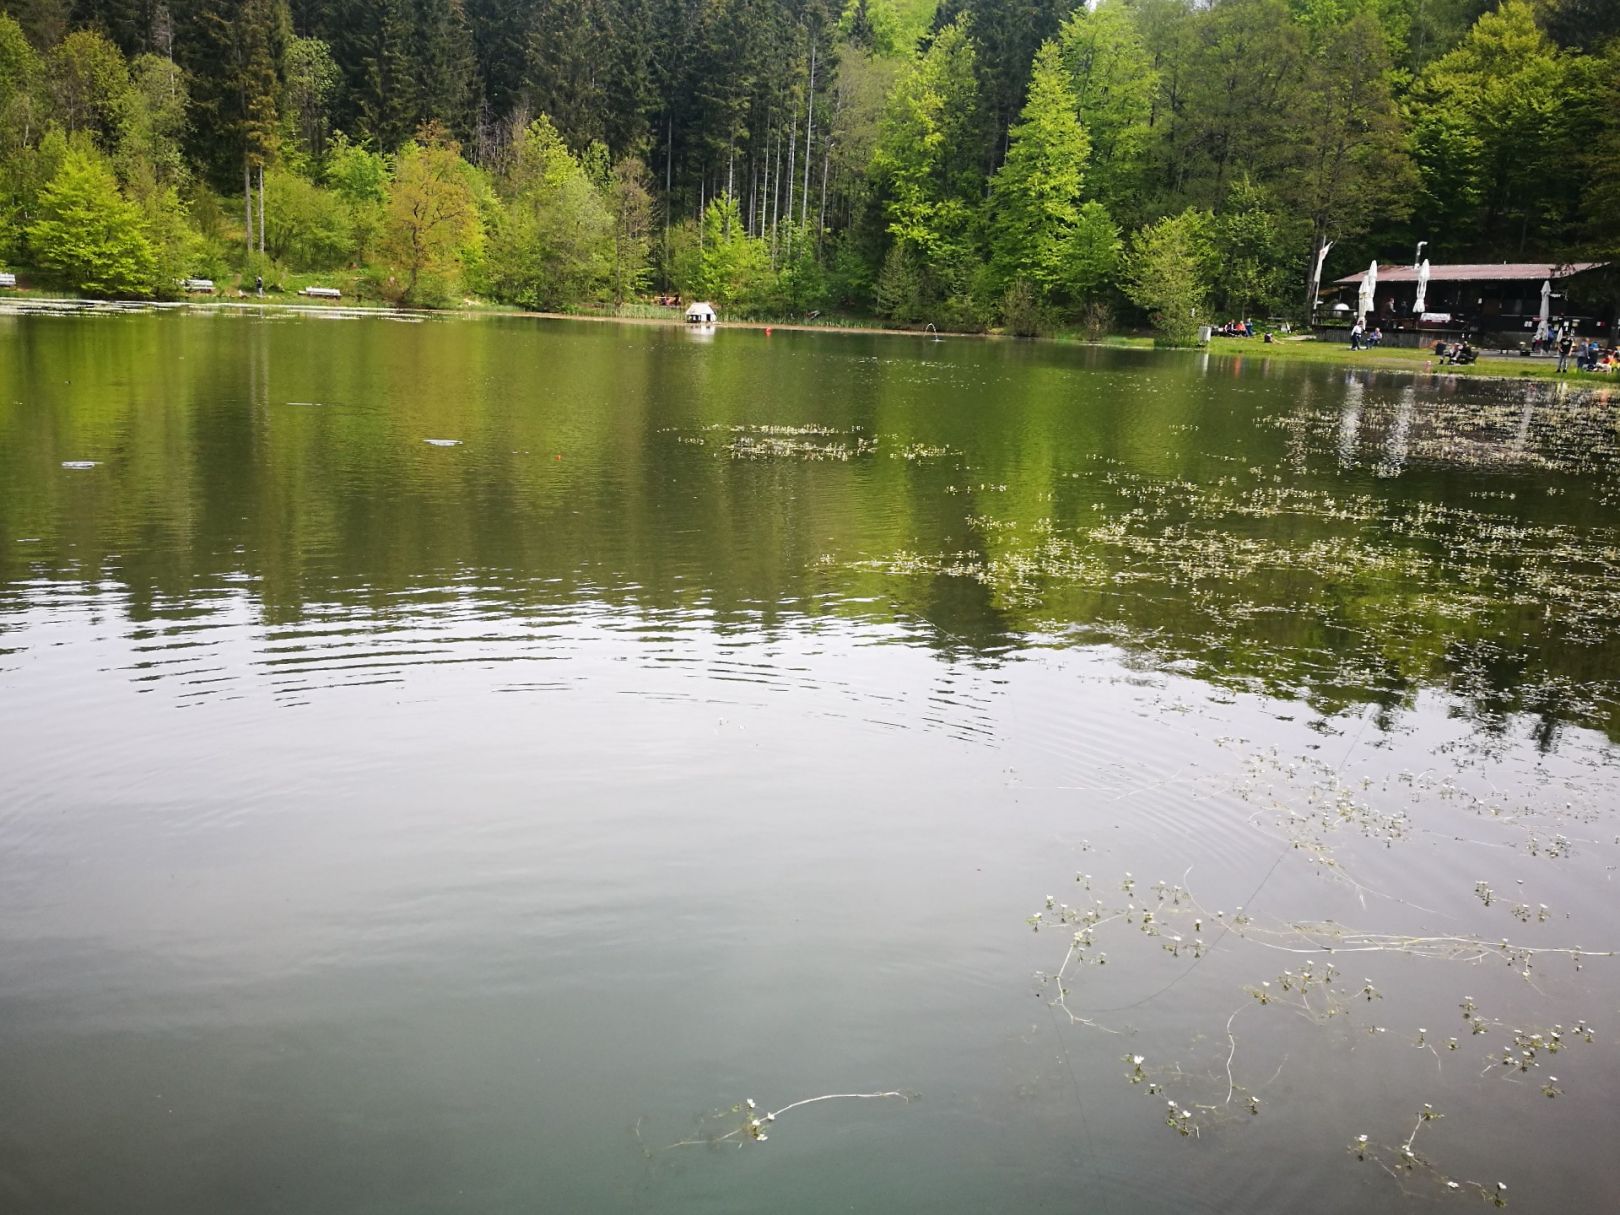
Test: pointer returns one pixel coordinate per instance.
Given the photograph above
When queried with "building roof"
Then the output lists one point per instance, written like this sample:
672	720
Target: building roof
1477	272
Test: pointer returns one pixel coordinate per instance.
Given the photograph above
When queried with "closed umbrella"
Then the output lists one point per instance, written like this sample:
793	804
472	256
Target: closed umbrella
1542	329
1369	281
1316	279
1423	289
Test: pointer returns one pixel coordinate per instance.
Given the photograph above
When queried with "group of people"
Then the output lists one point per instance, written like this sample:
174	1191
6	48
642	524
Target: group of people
1245	329
1584	354
1457	353
1363	339
1588	355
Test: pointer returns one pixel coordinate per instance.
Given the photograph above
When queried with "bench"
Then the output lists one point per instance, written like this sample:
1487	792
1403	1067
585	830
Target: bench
8	280
203	286
322	293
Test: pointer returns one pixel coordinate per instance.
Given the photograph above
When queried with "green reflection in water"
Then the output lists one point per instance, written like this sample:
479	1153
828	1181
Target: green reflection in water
1345	537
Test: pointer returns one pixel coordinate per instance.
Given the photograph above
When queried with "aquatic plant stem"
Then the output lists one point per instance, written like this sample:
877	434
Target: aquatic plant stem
1231	1085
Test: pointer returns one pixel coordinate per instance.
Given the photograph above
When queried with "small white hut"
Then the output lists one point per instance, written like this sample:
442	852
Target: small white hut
700	314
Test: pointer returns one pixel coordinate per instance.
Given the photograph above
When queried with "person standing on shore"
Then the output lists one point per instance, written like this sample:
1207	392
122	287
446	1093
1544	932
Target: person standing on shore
1355	336
1565	342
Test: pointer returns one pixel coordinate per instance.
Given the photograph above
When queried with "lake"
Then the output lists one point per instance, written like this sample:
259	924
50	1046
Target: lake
458	764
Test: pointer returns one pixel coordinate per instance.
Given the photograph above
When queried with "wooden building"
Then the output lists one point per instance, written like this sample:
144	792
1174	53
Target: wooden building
1496	303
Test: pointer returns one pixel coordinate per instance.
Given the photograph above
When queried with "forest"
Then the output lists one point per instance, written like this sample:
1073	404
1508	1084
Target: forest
978	164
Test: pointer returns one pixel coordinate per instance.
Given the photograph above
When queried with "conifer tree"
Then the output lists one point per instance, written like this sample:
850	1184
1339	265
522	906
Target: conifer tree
1035	195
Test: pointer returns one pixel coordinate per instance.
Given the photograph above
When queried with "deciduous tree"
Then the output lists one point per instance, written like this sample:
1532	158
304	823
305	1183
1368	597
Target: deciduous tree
87	235
1168	275
925	159
431	216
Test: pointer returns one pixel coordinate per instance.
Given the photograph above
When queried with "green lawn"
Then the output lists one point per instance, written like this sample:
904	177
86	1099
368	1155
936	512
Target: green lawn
1339	354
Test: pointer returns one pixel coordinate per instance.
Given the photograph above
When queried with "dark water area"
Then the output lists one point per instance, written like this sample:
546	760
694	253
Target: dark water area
451	763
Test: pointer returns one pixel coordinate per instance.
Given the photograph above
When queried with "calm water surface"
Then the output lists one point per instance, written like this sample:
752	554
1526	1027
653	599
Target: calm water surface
449	764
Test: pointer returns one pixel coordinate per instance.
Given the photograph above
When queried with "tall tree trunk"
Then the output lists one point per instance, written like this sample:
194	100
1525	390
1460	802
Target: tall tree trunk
821	218
261	209
793	144
669	170
753	189
776	205
809	120
764	183
247	203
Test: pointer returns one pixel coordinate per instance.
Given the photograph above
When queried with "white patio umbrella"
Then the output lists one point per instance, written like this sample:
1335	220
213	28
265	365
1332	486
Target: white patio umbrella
1546	310
1364	304
1423	289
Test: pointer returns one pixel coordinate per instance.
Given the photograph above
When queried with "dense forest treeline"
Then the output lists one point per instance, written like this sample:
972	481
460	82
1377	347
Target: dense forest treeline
975	163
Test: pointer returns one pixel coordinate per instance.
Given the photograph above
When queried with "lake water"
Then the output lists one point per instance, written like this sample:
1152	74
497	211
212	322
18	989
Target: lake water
450	764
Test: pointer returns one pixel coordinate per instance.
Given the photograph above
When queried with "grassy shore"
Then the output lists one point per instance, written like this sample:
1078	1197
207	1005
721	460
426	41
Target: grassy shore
1338	354
1292	349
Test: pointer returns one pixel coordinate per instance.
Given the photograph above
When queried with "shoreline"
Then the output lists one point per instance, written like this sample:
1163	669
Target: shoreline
1295	350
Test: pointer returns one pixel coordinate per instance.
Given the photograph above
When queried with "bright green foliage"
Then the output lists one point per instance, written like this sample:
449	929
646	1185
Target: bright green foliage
1254	244
360	178
1006	36
24	174
1035	195
1322	19
356	173
312	80
734	269
1168	273
19	123
801	281
630	201
88	237
929	176
926	154
152	121
872	25
1114	82
19	63
554	245
1091	254
431	217
306	227
902	287
87	78
1498	133
1350	166
177	248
